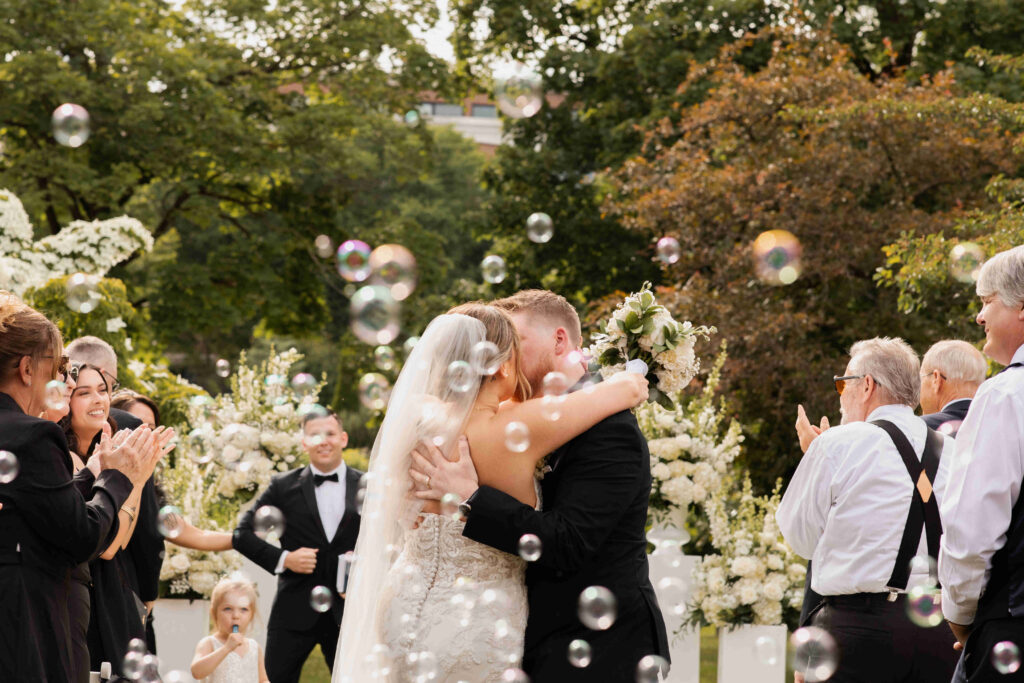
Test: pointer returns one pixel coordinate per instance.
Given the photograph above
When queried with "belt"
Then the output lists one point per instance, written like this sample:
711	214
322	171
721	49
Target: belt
864	600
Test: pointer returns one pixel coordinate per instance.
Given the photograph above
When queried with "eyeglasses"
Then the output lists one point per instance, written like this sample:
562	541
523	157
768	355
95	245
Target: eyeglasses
929	374
62	367
112	383
841	382
109	379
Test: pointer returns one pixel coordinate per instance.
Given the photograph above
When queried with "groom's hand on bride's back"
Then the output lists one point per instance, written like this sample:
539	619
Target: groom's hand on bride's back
434	475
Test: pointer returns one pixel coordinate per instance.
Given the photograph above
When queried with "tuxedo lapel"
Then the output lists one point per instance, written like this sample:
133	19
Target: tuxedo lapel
309	493
352	478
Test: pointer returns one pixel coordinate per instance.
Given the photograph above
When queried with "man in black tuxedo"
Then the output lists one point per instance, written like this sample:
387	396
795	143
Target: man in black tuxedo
595	495
951	372
321	524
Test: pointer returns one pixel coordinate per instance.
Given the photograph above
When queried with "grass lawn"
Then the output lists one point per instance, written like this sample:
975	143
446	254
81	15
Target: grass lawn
315	671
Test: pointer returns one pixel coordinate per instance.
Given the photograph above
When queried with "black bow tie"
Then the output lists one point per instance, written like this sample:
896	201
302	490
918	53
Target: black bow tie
321	478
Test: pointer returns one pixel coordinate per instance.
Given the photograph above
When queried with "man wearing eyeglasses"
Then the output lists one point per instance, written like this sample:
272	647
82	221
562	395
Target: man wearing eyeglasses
981	563
144	551
951	372
863	504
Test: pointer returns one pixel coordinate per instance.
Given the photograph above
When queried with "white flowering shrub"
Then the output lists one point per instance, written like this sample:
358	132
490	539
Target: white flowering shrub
755	578
234	443
92	247
640	328
692	449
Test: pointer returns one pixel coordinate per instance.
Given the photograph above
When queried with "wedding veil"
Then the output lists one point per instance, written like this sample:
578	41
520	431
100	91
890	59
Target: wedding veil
431	400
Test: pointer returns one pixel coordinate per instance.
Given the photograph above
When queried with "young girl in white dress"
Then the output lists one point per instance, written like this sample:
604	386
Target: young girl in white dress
228	656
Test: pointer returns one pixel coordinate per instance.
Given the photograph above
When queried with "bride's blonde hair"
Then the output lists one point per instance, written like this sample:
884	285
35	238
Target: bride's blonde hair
500	331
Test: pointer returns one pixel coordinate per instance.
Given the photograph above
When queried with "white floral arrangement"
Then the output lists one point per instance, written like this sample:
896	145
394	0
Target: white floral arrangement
691	450
642	329
755	578
92	247
237	441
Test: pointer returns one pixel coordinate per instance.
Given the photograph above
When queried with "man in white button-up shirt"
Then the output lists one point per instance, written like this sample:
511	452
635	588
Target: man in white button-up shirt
981	564
848	506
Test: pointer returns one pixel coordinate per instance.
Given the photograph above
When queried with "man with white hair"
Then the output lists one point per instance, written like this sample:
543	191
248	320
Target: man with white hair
862	504
951	372
981	563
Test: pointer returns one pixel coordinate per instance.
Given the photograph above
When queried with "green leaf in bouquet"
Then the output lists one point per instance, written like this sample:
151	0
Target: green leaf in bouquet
646	298
648	326
657	396
610	356
621	324
633	324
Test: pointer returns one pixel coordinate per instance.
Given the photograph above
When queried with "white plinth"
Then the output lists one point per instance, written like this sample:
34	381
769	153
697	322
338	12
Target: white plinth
179	625
667	561
752	653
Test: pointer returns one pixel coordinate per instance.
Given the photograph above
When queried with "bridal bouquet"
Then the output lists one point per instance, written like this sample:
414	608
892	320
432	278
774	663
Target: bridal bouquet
642	329
691	449
755	578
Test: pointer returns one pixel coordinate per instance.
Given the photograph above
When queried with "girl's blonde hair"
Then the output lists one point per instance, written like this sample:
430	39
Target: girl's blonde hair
233	584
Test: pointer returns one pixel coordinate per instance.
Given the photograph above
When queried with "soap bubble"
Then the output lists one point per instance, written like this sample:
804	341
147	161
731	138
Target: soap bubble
422	666
925	565
777	257
529	547
493	268
315	410
409	344
81	293
70	124
461	377
924	607
554	384
597	608
138	646
551	407
766	649
379	662
517	437
518	90
514	676
374	391
668	250
580	654
384	357
412	117
223	367
394	267
485	358
324	246
450	506
56	395
673	593
150	669
273	380
169	521
375	315
354	260
177	676
321	598
950	428
965	261
268	521
1006	657
8	467
131	666
539	228
815	654
651	669
304	384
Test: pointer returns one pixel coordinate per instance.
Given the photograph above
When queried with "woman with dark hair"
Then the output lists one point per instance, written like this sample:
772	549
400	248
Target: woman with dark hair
50	522
116	615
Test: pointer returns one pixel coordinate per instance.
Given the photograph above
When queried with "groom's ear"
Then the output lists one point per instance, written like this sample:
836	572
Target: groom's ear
563	344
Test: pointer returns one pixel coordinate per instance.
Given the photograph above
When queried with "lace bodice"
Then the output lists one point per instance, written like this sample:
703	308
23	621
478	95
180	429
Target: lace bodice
237	668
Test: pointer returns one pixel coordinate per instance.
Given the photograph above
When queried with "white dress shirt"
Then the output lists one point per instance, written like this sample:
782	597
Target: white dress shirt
330	503
847	504
985	480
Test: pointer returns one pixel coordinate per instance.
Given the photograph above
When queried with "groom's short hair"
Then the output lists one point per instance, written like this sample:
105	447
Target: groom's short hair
544	304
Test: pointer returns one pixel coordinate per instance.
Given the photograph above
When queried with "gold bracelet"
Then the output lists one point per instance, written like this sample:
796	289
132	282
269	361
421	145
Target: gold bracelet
130	511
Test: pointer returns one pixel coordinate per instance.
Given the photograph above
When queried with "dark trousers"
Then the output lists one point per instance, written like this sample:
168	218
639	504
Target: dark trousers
879	644
287	650
978	665
78	617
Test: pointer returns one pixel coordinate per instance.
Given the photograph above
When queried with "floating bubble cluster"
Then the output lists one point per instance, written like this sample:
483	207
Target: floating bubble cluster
9	467
374	391
169	521
540	228
353	260
529	547
56	396
375	315
268	521
70	125
493	269
81	293
518	90
597	608
668	250
393	266
965	261
777	257
815	653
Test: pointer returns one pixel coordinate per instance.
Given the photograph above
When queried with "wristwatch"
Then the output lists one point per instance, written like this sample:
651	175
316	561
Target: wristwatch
465	508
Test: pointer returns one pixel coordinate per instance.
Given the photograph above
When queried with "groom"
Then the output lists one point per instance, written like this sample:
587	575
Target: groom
592	524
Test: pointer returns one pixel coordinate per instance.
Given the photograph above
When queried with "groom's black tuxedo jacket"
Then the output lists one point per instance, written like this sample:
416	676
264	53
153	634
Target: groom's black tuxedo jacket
592	534
294	494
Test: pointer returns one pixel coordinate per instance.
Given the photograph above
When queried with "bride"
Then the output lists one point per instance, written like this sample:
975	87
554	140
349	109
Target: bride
423	602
